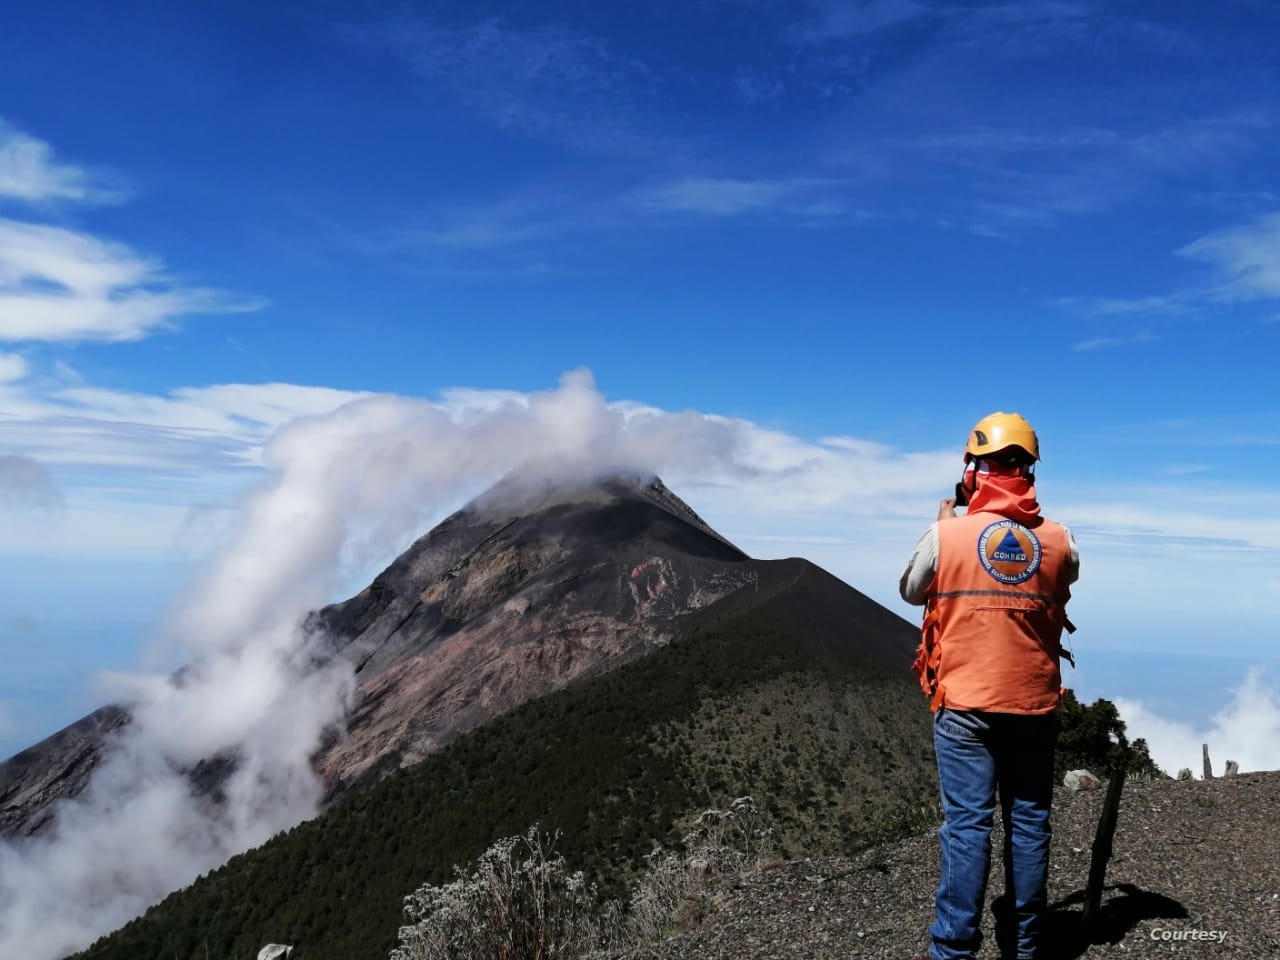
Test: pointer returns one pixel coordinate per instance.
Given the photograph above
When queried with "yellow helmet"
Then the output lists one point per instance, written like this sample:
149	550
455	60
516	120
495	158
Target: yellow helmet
1000	431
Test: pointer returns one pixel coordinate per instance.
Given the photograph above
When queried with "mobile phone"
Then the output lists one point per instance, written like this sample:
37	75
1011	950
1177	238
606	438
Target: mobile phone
962	498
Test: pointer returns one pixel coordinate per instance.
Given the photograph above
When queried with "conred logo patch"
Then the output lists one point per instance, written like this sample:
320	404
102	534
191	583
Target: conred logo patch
1009	551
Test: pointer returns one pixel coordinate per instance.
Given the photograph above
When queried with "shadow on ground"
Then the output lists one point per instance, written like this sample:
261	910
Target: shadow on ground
1065	937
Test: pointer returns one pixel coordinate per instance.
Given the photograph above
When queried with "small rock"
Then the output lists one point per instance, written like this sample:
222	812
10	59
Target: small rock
1077	780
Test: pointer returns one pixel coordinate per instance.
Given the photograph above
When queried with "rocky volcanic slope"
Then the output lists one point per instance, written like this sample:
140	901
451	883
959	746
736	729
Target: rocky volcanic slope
1189	856
510	599
57	767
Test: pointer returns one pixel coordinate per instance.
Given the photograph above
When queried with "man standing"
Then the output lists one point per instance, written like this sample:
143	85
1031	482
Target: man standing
994	583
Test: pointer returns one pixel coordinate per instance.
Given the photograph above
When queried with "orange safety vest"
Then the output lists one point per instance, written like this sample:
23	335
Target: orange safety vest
994	616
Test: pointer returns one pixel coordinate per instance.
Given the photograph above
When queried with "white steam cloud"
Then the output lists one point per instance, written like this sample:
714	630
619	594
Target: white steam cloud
1247	731
346	487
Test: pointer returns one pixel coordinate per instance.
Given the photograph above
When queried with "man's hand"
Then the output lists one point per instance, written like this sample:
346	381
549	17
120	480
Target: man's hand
947	508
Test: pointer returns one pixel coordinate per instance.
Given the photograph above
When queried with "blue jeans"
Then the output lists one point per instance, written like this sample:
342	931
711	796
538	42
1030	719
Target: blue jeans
978	755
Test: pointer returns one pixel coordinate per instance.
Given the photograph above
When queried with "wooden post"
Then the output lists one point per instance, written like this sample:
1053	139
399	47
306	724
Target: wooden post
1208	766
1102	847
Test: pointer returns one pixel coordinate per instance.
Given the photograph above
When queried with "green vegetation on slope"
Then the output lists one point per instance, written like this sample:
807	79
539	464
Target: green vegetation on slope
617	762
826	759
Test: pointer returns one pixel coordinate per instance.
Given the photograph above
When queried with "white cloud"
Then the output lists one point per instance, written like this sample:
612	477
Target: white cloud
13	366
1246	258
143	456
1204	552
192	431
59	285
146	473
232	410
185	432
1102	343
29	172
1165	517
1247	730
723	196
474	235
1168	305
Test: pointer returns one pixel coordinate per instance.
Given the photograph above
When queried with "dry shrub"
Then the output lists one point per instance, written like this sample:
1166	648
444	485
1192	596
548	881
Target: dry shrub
518	903
673	893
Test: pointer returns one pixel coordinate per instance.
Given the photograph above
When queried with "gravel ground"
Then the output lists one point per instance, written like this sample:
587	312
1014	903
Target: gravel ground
1188	856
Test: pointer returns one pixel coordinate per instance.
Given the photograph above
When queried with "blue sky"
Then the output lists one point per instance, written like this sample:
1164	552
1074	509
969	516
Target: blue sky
812	242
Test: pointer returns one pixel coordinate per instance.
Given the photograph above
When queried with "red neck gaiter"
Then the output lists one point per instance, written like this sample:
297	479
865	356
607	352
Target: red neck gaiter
1009	495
